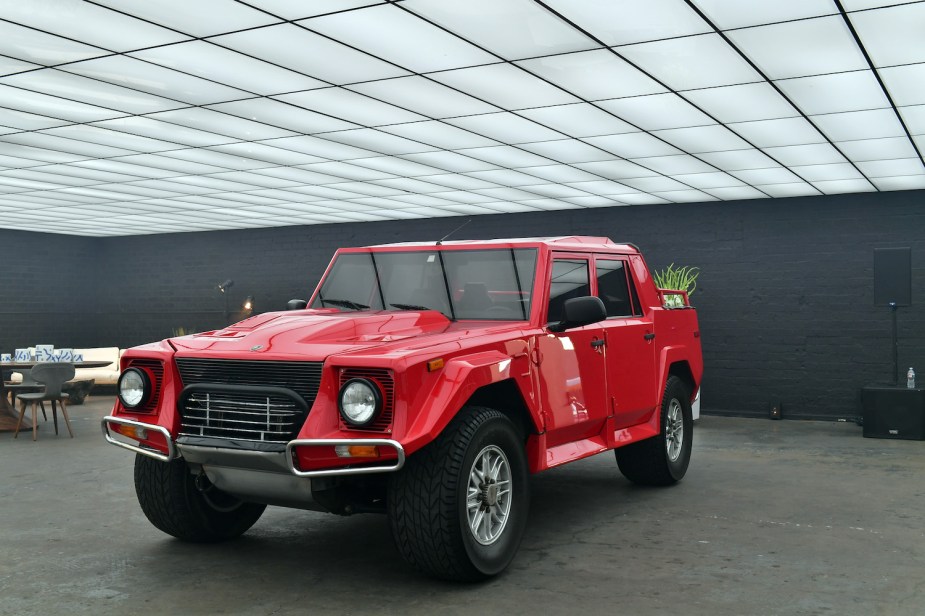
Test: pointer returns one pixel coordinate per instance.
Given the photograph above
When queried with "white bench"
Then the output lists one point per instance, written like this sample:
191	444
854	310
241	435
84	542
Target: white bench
107	375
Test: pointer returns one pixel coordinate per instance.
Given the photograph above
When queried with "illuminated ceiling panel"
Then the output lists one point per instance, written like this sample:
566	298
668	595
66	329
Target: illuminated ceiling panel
122	118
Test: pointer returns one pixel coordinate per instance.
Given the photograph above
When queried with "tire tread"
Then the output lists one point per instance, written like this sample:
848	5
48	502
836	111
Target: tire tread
422	505
164	492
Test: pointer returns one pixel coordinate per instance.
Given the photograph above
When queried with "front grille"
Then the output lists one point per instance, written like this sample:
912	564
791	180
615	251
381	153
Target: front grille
302	377
254	401
256	416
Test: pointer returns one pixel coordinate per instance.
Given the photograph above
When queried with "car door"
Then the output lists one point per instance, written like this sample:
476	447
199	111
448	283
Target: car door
630	341
572	366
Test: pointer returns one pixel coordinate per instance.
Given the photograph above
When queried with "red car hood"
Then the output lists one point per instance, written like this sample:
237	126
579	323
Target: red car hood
313	335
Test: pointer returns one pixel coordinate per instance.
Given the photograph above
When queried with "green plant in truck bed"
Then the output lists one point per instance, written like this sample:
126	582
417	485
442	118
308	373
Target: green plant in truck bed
677	279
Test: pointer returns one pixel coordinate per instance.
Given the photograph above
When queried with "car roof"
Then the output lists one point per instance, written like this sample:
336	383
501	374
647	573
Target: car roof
565	242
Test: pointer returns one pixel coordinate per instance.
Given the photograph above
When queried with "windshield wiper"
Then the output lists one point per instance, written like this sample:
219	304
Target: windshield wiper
410	307
344	303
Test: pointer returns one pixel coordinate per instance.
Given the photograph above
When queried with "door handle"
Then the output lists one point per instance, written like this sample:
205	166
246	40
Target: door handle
597	343
649	336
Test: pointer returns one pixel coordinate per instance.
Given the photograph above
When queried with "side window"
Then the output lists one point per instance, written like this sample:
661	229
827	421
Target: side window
569	279
613	288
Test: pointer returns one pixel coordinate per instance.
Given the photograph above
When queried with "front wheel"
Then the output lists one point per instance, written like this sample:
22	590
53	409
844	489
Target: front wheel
663	459
189	507
459	507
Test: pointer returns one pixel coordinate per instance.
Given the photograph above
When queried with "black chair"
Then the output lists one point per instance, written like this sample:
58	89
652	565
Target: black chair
53	376
27	385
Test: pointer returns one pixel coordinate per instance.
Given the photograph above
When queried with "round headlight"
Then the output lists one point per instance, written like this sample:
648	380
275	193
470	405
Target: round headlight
360	401
134	387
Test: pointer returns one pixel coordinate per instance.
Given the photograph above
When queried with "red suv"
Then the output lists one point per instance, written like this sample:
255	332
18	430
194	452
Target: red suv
425	381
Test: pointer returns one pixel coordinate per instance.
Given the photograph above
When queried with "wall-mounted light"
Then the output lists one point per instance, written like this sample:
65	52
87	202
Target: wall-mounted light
248	303
223	287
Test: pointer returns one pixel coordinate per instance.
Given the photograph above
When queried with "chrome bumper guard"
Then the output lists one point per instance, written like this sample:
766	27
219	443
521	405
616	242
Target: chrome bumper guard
331	472
172	452
151	453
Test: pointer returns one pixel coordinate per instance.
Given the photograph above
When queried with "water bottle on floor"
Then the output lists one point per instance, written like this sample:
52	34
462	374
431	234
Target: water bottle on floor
910	378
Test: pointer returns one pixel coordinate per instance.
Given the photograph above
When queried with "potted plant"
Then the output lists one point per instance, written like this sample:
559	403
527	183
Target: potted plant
676	279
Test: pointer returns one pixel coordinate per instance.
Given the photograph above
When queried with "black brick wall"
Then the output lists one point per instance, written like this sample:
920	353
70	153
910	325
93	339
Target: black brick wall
785	297
50	287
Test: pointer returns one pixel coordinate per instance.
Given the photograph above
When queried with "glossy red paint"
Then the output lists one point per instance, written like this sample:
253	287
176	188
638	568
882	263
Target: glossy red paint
581	391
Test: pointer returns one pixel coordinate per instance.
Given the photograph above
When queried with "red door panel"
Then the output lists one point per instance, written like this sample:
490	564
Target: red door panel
630	345
574	374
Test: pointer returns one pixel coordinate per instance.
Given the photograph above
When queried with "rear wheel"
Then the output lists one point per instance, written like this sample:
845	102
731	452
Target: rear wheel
459	507
189	507
663	459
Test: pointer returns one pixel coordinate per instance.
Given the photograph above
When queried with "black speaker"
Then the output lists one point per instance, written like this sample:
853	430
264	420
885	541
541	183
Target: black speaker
893	412
892	276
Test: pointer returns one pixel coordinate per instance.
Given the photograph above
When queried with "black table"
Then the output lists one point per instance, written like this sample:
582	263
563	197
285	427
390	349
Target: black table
8	415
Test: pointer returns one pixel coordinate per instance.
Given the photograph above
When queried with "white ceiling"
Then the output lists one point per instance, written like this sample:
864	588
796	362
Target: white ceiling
120	117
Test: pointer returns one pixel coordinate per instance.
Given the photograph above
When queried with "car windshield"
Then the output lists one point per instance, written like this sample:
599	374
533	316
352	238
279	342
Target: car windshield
462	284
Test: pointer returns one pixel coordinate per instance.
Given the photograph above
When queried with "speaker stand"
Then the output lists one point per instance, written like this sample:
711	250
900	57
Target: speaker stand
893	308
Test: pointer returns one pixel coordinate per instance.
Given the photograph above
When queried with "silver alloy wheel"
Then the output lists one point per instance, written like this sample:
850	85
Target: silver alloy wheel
674	430
488	495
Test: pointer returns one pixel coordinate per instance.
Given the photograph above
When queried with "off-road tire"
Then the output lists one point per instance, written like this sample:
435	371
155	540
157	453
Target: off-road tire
169	498
427	500
648	462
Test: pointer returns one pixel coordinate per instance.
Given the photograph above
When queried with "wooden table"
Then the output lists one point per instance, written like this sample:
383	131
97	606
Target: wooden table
8	415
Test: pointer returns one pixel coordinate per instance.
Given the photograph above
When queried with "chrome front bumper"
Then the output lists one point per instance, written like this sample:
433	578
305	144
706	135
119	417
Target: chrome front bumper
247	460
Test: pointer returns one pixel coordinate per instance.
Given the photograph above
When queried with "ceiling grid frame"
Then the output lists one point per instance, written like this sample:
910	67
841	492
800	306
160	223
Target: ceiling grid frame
301	26
170	182
779	91
879	78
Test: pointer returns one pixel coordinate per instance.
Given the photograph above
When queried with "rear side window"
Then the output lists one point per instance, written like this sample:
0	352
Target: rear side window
569	279
613	288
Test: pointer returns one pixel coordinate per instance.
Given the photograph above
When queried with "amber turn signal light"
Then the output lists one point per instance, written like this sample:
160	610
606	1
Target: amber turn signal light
139	434
435	364
356	451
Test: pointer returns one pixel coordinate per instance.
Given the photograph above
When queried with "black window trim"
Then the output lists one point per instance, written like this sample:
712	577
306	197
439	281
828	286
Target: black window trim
567	255
635	304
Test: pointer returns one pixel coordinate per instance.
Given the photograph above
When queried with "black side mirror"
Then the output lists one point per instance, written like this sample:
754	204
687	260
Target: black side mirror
580	311
296	304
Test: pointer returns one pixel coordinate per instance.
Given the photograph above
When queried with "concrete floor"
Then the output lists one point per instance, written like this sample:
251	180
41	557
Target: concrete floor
781	517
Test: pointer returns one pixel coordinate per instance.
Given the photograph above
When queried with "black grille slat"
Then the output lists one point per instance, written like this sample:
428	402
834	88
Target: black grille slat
301	377
219	404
